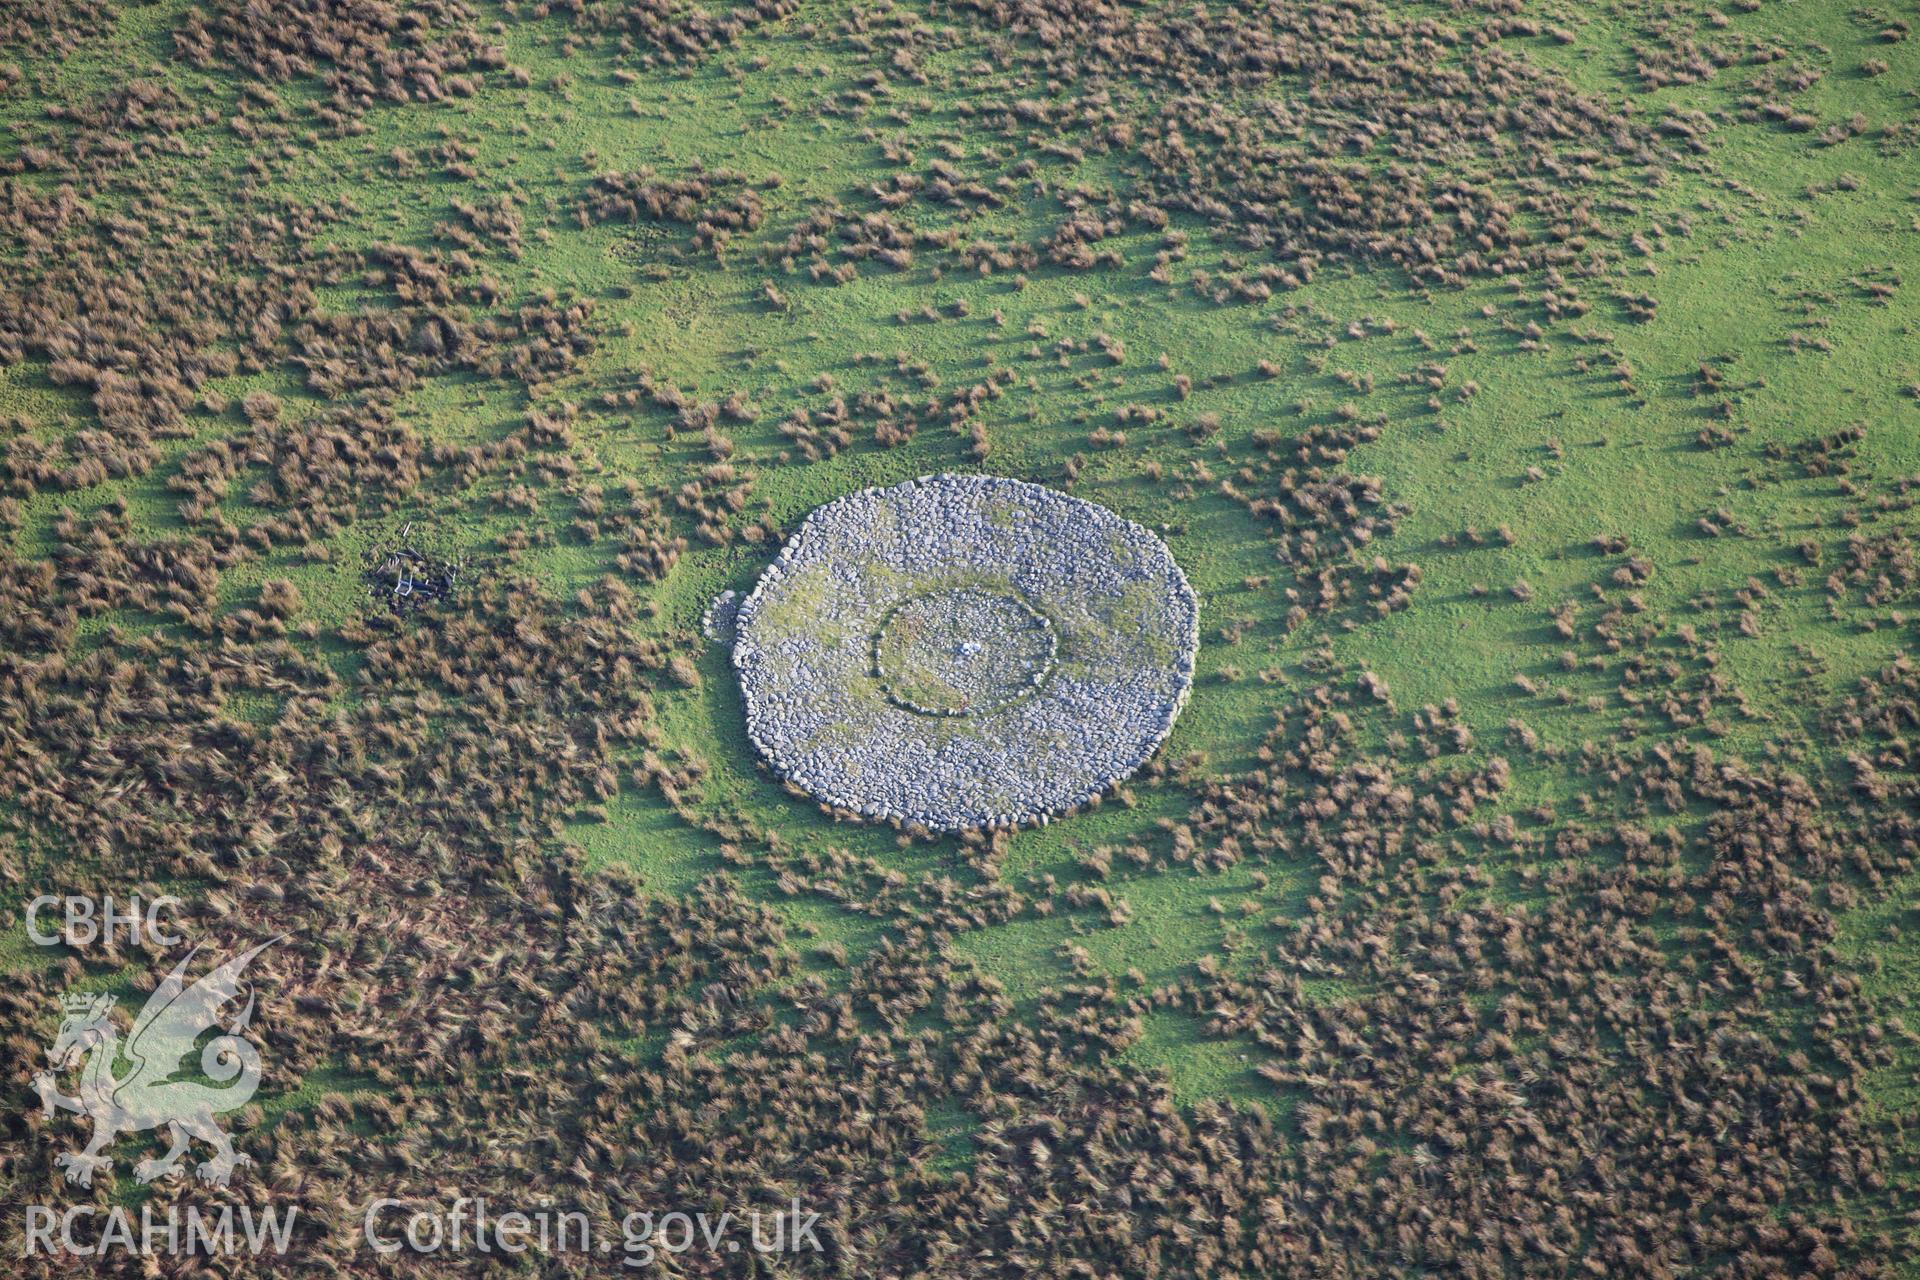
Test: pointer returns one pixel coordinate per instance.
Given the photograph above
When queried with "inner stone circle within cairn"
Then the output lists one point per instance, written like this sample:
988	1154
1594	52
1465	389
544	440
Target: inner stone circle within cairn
963	650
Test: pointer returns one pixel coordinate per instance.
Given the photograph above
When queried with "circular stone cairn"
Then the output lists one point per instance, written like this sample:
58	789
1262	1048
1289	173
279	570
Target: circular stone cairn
964	652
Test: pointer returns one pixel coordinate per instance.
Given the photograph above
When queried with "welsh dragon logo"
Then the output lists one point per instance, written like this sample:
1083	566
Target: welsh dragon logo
149	1095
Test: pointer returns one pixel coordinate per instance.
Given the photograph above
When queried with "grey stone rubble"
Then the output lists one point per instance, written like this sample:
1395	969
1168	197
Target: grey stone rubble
723	612
962	652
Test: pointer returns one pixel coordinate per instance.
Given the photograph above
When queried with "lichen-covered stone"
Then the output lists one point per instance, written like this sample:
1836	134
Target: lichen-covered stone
964	651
